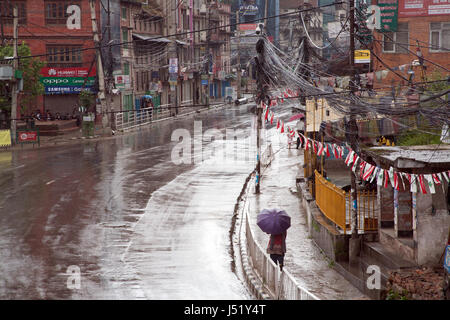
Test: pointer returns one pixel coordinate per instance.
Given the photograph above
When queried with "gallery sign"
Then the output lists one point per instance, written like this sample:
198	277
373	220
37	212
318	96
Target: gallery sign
66	89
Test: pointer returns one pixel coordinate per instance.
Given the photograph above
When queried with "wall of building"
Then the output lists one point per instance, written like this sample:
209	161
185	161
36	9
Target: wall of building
432	225
419	29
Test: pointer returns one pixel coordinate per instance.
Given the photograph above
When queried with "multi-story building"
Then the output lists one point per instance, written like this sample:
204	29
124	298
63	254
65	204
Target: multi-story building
60	32
423	30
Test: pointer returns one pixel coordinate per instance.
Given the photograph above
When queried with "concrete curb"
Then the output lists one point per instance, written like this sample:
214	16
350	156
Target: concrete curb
252	280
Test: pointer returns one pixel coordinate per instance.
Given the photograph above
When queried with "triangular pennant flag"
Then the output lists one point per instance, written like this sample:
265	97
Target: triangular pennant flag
369	171
422	184
401	178
391	176
278	124
412	181
282	127
266	117
430	183
436	179
396	182
307	144
355	163
327	150
320	149
386	178
444	174
335	151
375	174
349	156
380	177
271	118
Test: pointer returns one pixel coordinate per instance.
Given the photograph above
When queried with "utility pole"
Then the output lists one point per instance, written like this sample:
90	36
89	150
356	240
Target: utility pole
261	97
14	83
354	242
209	56
101	80
238	56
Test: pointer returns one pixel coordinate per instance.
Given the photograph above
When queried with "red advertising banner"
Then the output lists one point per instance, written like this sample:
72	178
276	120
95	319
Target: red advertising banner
28	136
68	72
423	8
247	26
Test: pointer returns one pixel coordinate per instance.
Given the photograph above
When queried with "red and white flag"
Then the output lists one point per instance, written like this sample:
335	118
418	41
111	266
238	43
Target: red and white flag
278	124
327	151
266	117
386	178
436	179
282	127
320	149
396	182
271	117
368	172
349	156
422	184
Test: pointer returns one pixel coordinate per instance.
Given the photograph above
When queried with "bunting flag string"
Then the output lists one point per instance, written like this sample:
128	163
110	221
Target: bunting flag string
383	177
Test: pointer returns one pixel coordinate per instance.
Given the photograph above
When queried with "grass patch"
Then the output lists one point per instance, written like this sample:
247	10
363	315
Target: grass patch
416	138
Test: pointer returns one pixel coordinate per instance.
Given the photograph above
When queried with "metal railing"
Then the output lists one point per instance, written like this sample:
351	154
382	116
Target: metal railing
336	204
331	200
128	120
280	284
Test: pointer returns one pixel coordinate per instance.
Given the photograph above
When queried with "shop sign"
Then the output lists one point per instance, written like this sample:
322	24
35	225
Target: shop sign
389	15
67	81
122	81
66	89
423	8
27	136
362	56
173	65
68	72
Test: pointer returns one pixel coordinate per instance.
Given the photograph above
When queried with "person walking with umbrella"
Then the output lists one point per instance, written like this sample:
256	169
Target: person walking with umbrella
275	222
277	248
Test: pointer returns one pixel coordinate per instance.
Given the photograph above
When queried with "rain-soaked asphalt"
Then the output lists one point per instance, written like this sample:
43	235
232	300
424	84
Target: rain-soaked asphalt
135	224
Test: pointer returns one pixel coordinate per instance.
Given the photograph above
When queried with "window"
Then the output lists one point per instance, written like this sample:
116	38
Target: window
64	54
125	38
440	36
124	13
56	11
397	42
126	68
6	9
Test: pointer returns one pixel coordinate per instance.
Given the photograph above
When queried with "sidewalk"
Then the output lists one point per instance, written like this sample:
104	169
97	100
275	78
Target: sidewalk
99	133
303	259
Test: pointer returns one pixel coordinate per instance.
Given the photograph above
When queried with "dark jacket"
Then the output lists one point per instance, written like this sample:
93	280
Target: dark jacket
277	244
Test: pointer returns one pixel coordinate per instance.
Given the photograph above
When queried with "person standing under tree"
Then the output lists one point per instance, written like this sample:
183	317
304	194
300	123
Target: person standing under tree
277	248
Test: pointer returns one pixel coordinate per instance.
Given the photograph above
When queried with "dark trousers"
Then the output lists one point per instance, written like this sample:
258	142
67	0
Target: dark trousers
278	258
300	139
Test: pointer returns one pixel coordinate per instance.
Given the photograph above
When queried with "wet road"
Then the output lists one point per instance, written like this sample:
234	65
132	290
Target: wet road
135	224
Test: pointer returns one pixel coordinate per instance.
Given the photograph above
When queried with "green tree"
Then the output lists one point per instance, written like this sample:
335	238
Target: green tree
30	68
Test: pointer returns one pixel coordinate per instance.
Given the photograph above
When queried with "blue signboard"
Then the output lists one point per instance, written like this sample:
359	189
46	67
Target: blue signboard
204	82
447	259
66	89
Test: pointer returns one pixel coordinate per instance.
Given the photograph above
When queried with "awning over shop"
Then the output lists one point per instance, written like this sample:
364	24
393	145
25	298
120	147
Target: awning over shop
151	38
182	43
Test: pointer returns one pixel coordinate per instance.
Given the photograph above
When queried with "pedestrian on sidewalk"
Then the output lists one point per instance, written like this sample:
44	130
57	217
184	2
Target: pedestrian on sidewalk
277	248
301	131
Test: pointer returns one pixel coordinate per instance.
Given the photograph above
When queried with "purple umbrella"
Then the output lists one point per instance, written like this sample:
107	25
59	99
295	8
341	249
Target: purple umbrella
273	221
